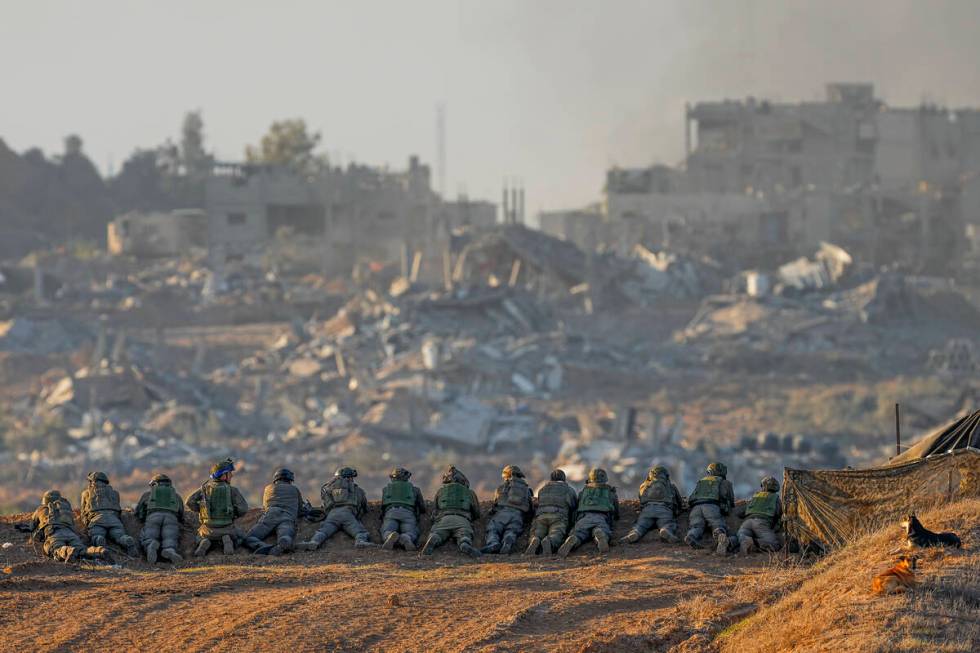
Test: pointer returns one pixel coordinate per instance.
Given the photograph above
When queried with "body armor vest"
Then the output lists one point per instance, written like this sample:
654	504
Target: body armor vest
57	513
708	490
100	497
338	493
553	495
281	495
515	495
656	491
398	493
596	498
763	504
163	497
217	508
454	498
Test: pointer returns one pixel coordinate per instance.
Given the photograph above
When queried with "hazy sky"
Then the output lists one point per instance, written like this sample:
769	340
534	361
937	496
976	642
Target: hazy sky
551	91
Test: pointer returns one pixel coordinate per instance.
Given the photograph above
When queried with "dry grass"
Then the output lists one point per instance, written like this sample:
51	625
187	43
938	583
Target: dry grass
835	610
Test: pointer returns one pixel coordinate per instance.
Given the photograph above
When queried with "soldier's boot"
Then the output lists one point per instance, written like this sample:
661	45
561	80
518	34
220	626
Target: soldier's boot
745	546
546	546
430	546
227	545
630	538
507	545
692	541
151	552
312	544
407	542
721	548
470	550
570	543
202	547
490	547
362	542
390	541
532	546
276	550
601	541
172	555
668	536
98	540
263	549
132	550
98	553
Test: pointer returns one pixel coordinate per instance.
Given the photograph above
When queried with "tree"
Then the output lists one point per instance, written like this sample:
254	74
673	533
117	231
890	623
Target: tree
288	143
73	145
195	160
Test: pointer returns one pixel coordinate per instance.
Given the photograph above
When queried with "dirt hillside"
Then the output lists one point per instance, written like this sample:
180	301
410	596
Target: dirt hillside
649	596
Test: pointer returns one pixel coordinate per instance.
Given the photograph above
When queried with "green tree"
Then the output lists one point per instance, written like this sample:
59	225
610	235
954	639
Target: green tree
194	158
289	143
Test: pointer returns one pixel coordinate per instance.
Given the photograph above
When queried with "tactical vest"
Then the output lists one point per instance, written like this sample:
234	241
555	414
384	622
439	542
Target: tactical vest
454	498
339	493
56	514
763	504
281	495
708	490
398	493
100	496
656	491
163	498
553	497
515	495
217	509
596	498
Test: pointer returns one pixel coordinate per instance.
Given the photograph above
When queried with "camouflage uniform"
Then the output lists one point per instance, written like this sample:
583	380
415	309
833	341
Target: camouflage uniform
218	505
401	505
53	524
100	514
711	500
282	503
345	503
598	508
557	502
512	503
762	514
456	508
660	503
162	511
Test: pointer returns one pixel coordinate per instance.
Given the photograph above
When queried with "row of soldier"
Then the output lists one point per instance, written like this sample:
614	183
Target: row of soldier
560	519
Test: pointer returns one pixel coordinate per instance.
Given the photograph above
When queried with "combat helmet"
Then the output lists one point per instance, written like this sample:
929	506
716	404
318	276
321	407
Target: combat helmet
50	497
512	471
224	467
345	472
658	471
598	475
453	475
558	475
160	479
98	477
717	469
400	474
283	474
769	484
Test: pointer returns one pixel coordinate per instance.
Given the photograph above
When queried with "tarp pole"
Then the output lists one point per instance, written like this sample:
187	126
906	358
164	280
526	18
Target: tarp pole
898	429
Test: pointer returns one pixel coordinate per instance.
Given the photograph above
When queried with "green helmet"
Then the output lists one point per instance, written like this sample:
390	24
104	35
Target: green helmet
50	497
160	479
770	484
345	472
400	474
453	475
717	469
98	477
598	475
657	471
283	474
510	471
558	475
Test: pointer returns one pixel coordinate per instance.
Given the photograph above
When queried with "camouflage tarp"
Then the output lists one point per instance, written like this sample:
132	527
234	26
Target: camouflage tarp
831	507
961	433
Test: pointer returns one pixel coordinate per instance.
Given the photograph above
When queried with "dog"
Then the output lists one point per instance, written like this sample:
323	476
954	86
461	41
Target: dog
918	536
899	578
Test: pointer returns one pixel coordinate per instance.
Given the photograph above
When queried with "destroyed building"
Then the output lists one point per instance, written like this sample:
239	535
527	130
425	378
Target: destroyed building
157	233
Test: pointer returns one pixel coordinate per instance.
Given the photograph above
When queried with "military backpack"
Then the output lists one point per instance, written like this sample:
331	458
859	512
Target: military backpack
398	493
217	509
100	497
596	498
516	495
163	497
763	504
56	513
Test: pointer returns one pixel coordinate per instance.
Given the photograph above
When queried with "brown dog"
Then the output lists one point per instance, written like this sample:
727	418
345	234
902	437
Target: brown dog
899	578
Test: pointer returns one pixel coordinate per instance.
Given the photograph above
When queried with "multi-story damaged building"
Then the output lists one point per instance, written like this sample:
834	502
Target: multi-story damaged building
345	214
